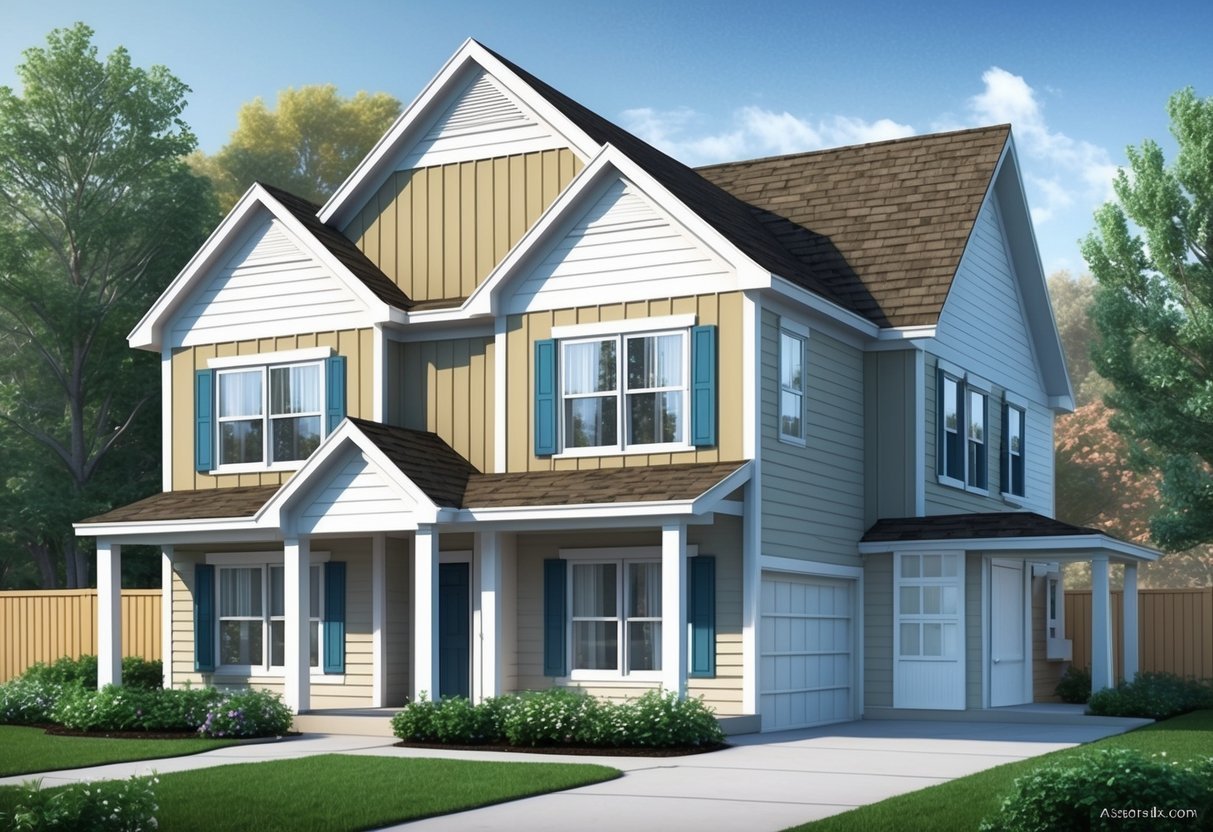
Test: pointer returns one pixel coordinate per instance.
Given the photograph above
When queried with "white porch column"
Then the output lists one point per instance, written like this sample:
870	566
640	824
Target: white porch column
296	578
488	669
751	595
1129	659
1101	626
166	614
109	613
425	612
674	607
378	619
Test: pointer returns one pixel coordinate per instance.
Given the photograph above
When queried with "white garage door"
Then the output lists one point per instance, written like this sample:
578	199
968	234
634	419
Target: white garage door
806	667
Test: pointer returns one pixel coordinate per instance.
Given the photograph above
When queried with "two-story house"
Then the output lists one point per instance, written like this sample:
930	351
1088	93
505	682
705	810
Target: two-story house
529	403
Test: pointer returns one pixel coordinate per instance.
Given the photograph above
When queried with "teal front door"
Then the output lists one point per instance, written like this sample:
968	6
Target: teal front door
454	630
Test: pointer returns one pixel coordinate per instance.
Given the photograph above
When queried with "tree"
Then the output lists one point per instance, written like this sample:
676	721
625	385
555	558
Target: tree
1154	313
99	212
1072	299
307	145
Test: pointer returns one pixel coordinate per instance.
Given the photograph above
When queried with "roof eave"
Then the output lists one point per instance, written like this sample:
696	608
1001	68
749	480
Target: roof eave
1070	546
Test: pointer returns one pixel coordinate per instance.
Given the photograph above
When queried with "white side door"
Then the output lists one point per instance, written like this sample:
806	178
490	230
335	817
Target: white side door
1008	635
928	631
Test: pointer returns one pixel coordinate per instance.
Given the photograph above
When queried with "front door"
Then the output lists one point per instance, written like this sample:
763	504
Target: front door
1008	648
454	630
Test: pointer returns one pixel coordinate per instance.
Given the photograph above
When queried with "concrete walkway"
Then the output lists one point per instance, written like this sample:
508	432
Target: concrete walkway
764	782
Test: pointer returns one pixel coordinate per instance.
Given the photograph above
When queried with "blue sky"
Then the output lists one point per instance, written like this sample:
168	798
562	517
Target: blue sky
709	81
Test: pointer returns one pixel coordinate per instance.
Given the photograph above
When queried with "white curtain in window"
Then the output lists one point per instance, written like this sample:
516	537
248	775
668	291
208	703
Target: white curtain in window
240	592
594	590
589	367
655	361
240	393
295	389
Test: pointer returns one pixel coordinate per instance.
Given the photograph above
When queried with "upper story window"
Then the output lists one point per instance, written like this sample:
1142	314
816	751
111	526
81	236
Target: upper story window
255	412
625	386
791	386
614	404
962	434
1014	447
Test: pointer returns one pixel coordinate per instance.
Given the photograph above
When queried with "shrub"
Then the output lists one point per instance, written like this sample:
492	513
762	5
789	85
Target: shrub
549	717
138	672
1075	686
247	713
1074	793
663	720
122	806
25	701
415	722
1152	696
134	709
65	671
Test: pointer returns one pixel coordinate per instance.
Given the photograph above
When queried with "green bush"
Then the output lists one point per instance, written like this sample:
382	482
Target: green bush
558	717
25	701
247	713
134	709
65	671
138	672
121	806
1094	792
1152	696
1075	686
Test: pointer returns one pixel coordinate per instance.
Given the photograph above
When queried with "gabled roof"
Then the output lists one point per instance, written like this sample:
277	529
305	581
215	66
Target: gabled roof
884	224
374	289
201	504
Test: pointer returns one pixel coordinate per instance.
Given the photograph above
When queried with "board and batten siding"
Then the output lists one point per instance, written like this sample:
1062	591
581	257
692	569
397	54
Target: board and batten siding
982	330
812	495
878	631
446	387
357	345
621	248
270	285
354	687
722	539
438	231
522	331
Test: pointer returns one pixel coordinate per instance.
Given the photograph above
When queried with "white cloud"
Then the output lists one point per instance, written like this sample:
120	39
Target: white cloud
754	132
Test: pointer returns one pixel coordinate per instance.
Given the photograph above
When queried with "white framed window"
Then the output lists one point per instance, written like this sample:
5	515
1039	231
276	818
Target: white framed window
624	392
928	604
252	625
268	415
791	387
1014	479
962	435
976	453
616	618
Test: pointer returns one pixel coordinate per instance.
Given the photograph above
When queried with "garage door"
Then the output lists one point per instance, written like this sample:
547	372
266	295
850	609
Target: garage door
806	663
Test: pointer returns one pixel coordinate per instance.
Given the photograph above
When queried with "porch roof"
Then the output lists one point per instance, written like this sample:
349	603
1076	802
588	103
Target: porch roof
1005	531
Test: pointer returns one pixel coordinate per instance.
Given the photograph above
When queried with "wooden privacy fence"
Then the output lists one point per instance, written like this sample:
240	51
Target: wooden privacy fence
44	625
1175	630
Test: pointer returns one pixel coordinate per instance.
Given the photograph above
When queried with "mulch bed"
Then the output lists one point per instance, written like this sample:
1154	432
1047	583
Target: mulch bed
60	731
576	750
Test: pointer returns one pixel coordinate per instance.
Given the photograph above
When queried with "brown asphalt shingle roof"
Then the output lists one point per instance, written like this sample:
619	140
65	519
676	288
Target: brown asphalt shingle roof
885	224
971	526
451	481
342	248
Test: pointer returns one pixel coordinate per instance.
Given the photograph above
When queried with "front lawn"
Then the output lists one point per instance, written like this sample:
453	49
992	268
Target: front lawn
335	792
961	804
28	750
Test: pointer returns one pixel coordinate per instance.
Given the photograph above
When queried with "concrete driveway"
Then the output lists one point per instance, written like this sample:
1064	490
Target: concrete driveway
773	781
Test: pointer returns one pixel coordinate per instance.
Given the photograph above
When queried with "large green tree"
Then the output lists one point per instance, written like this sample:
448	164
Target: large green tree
1151	256
308	144
98	210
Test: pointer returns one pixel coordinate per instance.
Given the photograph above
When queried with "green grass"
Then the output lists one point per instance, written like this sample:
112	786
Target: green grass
961	804
335	792
25	750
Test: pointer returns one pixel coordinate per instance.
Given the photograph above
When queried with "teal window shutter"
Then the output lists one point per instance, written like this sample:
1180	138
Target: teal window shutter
703	385
555	618
204	618
334	385
204	420
545	397
334	617
701	613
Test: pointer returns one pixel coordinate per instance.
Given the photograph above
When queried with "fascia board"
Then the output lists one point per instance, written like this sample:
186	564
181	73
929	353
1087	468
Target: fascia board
1078	546
585	511
244	525
714	496
827	308
449	80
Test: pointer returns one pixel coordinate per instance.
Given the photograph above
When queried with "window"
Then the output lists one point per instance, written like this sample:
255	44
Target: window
962	450
1013	473
252	609
269	414
929	594
616	616
791	386
624	391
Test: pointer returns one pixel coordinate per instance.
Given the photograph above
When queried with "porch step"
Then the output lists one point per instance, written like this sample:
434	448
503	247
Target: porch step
370	724
1025	715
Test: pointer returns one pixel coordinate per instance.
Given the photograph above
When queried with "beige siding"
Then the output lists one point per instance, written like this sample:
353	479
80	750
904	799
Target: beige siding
523	331
439	231
890	472
974	635
723	540
878	631
357	345
446	387
812	495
